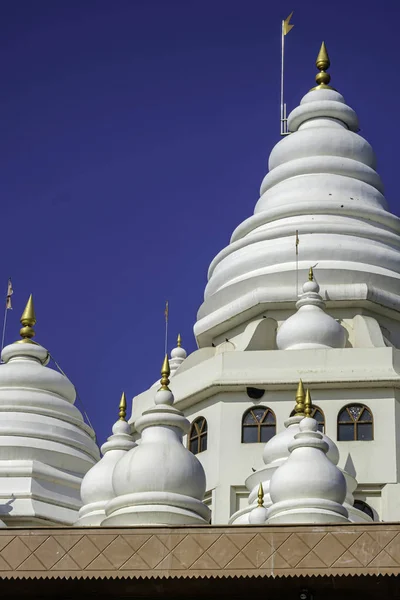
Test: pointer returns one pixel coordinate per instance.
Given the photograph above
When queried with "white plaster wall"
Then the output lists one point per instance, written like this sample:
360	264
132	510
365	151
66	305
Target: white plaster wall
216	389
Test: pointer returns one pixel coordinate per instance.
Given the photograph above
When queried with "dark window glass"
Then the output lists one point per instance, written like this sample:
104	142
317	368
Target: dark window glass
364	431
198	436
267	433
346	432
364	507
355	422
250	435
258	425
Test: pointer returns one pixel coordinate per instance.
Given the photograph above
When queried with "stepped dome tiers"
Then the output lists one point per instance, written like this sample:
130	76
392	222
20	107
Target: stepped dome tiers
323	184
45	446
97	489
308	487
310	326
160	482
178	355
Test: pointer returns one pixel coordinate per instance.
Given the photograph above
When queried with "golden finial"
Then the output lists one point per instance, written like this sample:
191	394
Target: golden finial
300	396
165	371
179	341
260	495
310	274
28	320
308	404
323	63
122	408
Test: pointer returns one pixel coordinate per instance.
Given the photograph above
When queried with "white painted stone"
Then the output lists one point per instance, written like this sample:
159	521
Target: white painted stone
45	446
97	488
310	326
160	482
308	487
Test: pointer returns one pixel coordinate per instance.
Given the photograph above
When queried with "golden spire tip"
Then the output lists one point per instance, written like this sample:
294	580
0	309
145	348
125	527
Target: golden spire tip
300	397
179	340
310	274
165	372
322	63
122	408
28	320
308	404
260	495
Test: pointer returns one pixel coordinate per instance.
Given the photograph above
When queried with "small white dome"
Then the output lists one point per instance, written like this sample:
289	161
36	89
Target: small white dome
178	355
308	487
310	326
160	481
97	488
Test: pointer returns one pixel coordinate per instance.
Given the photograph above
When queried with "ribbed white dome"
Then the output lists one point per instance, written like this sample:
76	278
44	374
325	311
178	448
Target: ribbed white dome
44	440
97	487
322	183
310	326
160	481
308	487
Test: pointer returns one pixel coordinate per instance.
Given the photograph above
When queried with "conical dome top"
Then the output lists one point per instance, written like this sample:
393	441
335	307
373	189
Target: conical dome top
323	184
160	482
97	487
43	437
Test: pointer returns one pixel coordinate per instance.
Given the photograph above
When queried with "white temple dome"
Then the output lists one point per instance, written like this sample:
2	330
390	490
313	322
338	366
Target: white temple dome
308	487
97	486
43	437
322	183
310	326
160	481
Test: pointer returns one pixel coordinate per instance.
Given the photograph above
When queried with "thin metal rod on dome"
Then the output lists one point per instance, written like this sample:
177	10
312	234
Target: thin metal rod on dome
286	27
8	307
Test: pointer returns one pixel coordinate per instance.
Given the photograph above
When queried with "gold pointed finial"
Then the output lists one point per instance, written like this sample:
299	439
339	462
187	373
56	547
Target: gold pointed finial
28	320
323	63
260	495
310	274
300	397
308	404
179	341
165	372
122	407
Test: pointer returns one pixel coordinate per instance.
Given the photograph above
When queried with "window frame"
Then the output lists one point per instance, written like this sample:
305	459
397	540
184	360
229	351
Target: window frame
258	424
198	434
355	422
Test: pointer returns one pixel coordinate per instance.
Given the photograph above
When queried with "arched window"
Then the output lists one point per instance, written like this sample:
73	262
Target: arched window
258	425
355	422
198	436
364	507
318	415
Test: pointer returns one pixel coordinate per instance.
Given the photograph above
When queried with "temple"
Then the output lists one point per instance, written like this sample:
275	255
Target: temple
270	456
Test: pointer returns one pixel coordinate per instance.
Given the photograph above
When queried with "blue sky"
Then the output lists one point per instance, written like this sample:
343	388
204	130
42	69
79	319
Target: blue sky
134	135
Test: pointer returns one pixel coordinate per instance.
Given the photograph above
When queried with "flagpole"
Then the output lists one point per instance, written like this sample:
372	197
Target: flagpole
4	329
166	313
282	71
286	27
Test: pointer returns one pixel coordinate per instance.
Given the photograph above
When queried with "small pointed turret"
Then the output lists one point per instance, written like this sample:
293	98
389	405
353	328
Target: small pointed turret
159	482
28	320
258	515
97	487
165	372
122	408
300	397
322	63
310	326
178	355
308	404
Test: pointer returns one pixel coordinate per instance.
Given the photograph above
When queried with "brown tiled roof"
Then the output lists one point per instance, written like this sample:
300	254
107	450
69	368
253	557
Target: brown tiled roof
244	551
